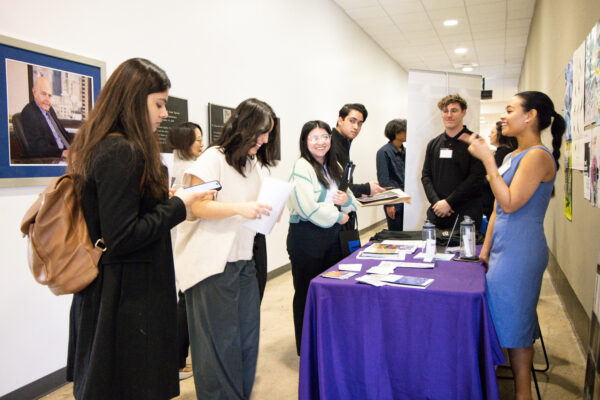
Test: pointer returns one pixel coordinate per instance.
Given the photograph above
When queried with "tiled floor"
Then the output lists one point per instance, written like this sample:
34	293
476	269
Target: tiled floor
277	370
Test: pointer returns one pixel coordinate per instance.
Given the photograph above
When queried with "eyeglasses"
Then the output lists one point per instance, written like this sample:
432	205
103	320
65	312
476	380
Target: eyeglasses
322	138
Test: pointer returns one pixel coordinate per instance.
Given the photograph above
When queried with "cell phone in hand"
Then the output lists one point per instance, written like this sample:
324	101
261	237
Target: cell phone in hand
203	187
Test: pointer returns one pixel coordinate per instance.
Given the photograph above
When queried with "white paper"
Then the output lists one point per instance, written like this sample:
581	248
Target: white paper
372	256
275	193
381	270
415	265
438	256
350	267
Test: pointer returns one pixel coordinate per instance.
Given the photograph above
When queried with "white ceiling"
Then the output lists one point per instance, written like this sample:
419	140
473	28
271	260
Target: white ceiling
412	32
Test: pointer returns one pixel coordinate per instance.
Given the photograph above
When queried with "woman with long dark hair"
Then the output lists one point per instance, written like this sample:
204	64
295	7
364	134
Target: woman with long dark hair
214	261
515	246
313	242
122	326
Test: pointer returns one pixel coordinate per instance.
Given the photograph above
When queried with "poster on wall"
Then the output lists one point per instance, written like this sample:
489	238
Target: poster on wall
586	171
568	182
45	96
568	98
577	101
178	113
217	116
594	167
592	76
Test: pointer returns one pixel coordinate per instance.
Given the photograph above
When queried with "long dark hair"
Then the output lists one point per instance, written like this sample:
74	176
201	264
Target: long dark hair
540	102
122	107
505	141
181	137
331	162
250	119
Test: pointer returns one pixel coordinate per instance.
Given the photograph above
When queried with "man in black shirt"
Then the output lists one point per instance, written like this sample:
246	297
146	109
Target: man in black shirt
350	120
451	177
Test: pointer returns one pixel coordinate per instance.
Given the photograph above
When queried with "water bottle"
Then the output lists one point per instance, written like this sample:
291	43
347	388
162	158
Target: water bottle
467	238
429	239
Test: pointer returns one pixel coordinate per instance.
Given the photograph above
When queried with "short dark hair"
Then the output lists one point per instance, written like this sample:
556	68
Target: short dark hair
330	165
505	141
181	137
452	98
394	127
345	110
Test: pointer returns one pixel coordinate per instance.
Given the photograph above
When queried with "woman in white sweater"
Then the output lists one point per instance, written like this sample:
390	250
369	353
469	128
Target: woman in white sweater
317	211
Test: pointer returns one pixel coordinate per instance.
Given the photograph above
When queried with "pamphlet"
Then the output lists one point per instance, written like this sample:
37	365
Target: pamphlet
383	248
350	267
275	193
338	274
413	281
396	280
373	256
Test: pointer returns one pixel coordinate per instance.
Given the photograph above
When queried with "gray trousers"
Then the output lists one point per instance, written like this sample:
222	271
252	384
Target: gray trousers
223	314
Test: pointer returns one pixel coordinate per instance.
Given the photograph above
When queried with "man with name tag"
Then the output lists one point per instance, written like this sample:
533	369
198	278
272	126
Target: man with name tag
452	178
45	134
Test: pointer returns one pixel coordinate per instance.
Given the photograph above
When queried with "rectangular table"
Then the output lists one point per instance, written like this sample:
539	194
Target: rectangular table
365	342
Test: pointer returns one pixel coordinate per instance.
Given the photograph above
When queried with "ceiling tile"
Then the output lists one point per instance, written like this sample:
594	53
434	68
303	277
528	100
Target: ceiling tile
437	4
402	7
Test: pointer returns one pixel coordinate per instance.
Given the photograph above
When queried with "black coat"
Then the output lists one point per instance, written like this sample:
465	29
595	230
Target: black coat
40	140
122	342
341	146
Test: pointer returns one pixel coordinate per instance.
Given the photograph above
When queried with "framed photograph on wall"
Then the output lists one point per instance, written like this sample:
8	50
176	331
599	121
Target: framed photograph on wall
45	95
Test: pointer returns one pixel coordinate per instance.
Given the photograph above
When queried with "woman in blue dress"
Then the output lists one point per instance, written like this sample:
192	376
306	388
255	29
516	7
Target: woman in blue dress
515	246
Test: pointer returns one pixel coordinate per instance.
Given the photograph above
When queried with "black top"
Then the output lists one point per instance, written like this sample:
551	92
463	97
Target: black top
457	179
341	146
122	341
390	166
487	197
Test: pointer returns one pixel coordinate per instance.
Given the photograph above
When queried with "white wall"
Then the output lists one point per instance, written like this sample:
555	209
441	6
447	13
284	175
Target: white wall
425	89
305	58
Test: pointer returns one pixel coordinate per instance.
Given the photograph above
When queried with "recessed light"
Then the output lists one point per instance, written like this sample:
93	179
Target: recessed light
461	50
467	69
450	22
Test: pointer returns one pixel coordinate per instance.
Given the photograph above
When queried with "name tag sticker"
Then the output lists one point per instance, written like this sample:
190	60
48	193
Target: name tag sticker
445	153
504	167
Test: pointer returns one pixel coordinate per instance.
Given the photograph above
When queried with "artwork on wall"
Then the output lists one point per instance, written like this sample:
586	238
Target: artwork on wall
45	95
568	182
217	116
592	76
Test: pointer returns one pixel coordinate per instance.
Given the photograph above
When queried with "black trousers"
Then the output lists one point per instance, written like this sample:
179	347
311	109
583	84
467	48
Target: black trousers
183	337
259	251
312	250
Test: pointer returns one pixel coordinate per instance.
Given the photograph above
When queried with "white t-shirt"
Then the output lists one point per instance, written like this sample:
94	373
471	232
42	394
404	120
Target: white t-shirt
203	247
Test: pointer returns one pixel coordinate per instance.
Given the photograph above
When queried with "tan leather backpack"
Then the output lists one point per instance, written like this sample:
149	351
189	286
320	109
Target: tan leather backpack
60	251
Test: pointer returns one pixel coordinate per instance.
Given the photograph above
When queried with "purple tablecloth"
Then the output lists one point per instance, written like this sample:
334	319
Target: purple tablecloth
365	342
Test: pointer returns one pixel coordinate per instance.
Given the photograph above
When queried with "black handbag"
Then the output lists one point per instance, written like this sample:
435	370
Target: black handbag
349	236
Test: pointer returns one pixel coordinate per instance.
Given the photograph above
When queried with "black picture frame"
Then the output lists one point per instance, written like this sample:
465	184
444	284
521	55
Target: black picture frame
19	61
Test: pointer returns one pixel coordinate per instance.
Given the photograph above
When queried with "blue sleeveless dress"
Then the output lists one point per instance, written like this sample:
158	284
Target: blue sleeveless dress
518	258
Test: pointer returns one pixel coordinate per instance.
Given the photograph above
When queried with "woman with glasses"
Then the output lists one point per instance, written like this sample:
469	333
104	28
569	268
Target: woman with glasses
317	211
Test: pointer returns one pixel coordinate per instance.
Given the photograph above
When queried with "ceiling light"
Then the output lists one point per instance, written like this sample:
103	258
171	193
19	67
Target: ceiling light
461	50
450	22
467	69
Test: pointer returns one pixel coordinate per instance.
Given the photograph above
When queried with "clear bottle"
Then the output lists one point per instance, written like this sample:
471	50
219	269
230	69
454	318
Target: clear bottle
428	235
467	238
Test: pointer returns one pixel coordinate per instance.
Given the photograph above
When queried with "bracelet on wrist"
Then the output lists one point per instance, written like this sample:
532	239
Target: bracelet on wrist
492	177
